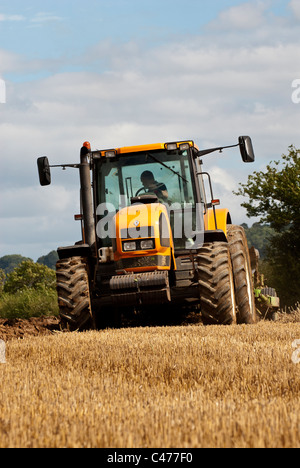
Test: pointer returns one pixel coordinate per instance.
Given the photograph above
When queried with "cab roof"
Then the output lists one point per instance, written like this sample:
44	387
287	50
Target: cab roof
150	147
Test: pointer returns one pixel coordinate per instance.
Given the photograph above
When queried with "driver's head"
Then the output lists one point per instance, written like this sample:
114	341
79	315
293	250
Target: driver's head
147	178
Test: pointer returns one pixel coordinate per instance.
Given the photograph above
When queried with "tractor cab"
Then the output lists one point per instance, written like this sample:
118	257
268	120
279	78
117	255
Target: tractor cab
137	179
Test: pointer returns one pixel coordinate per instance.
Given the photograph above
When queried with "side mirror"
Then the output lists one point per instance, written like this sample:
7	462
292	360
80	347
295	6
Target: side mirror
246	149
44	170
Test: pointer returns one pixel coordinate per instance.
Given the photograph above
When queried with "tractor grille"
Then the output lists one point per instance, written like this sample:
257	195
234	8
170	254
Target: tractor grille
145	261
140	289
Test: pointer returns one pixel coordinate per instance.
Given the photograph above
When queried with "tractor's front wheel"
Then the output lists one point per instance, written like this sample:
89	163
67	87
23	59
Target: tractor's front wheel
73	291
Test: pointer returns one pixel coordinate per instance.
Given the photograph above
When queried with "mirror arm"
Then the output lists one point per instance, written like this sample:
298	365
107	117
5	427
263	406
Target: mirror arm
211	150
76	166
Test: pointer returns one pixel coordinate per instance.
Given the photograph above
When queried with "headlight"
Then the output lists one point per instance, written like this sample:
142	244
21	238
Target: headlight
111	153
184	146
171	146
147	244
129	246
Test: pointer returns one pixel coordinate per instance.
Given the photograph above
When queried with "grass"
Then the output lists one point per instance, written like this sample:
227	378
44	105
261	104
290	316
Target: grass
28	303
162	387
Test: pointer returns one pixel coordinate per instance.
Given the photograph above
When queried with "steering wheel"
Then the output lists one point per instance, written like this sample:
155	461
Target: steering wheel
140	190
160	199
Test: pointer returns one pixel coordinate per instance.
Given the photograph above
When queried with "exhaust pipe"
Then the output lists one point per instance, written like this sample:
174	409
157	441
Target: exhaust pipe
86	196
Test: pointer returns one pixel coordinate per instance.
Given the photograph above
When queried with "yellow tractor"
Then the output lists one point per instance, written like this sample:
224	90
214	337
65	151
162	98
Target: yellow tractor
152	238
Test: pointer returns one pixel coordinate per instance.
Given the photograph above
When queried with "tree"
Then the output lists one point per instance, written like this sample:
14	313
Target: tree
274	196
9	262
30	275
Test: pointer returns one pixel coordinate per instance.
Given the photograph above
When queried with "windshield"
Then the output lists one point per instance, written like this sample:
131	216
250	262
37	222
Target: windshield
166	175
122	177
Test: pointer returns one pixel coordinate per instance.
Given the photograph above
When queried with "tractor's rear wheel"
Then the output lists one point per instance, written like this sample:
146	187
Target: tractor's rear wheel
242	274
73	291
216	285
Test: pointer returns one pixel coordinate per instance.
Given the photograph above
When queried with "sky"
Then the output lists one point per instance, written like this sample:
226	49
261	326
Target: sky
129	72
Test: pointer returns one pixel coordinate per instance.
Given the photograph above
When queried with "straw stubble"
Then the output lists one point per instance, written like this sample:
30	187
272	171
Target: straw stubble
160	387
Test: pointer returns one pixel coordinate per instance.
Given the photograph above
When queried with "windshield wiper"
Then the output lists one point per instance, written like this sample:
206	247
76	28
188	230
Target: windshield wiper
163	164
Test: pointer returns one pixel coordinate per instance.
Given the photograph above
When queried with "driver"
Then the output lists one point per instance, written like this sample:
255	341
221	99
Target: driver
152	186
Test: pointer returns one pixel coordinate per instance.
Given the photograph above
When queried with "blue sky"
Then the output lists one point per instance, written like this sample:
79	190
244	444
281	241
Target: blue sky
125	72
65	29
52	27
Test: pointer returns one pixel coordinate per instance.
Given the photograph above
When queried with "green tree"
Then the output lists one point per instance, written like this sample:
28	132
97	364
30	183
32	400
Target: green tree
274	196
30	275
9	262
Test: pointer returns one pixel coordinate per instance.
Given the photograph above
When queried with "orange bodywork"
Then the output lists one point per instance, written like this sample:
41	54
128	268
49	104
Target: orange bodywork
143	221
139	222
222	217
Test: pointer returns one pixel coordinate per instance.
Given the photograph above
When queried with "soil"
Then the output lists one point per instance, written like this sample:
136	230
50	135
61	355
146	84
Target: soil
22	328
18	328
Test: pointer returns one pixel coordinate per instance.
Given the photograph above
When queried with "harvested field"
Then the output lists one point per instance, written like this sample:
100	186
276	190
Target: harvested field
162	387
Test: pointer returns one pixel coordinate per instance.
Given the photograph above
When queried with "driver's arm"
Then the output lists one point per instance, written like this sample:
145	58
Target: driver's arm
163	190
165	194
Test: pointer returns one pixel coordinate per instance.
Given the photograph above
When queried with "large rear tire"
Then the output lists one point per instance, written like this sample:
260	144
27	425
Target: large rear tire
74	293
244	289
216	284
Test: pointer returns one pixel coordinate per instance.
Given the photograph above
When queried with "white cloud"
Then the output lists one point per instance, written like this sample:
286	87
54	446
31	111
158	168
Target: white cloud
11	17
32	201
38	19
223	178
295	7
9	61
245	16
43	17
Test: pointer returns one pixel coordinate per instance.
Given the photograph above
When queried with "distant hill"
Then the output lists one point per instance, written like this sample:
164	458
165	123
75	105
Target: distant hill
258	236
49	260
9	262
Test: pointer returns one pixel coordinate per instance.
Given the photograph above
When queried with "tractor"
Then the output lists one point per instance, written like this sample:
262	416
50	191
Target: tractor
152	238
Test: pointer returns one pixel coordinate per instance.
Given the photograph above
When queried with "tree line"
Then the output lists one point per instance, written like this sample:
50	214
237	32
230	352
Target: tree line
9	262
